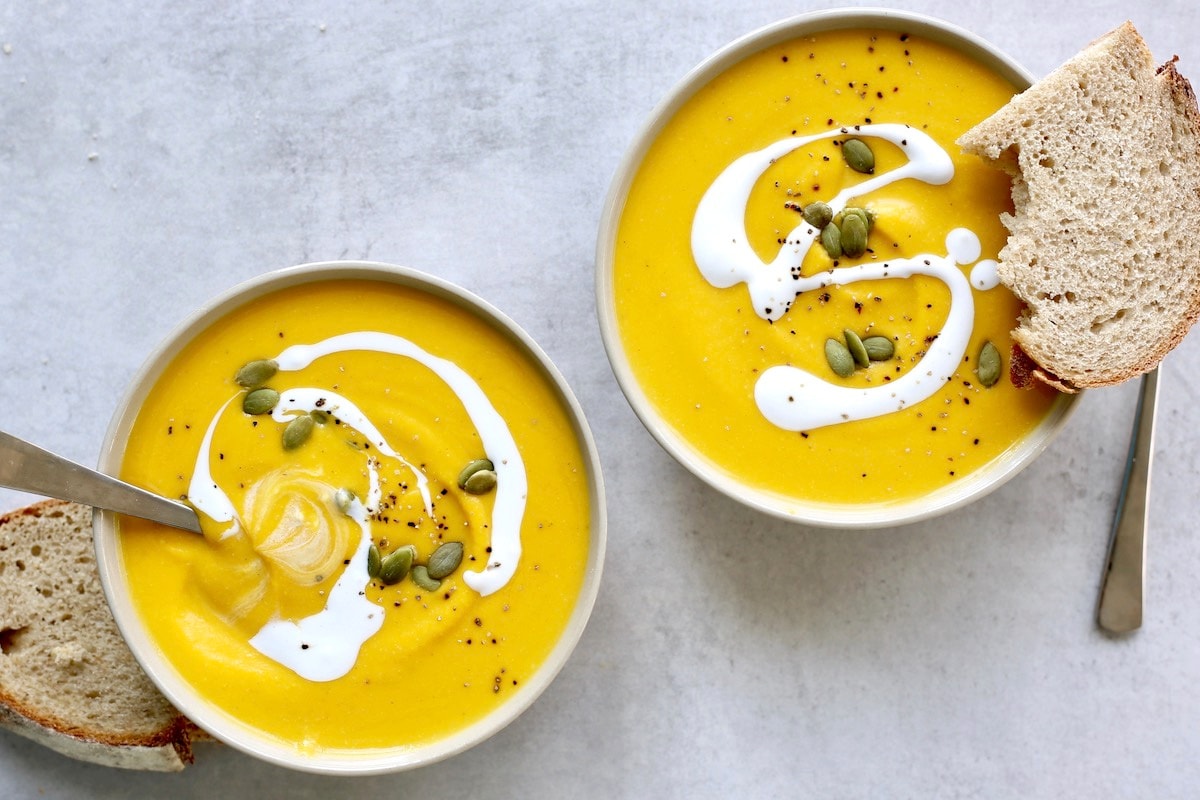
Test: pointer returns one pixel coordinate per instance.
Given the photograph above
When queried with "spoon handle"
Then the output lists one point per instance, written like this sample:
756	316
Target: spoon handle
29	468
1120	608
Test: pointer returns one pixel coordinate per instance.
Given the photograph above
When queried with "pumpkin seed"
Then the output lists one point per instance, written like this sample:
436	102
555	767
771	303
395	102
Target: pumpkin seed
343	498
854	236
471	468
445	560
859	156
988	367
260	401
867	217
320	416
256	373
420	576
481	482
374	562
818	214
857	349
831	240
395	566
879	348
297	432
839	358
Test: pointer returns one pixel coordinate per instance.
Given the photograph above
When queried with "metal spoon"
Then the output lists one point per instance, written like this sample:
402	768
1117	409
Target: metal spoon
28	468
1120	607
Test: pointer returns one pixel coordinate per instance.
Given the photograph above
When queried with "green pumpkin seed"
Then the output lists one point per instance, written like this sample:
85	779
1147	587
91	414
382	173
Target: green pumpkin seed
481	482
256	373
420	576
867	217
854	236
343	498
260	401
839	358
831	240
297	432
395	566
818	214
445	560
879	348
471	468
859	156
989	365
857	349
320	416
374	562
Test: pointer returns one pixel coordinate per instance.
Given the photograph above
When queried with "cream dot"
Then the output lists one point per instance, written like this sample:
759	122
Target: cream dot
963	246
984	275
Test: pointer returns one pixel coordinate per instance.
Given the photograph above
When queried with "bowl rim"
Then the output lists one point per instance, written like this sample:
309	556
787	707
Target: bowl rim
885	514
206	714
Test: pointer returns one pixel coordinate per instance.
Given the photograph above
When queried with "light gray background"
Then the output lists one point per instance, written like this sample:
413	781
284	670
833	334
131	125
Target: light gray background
151	157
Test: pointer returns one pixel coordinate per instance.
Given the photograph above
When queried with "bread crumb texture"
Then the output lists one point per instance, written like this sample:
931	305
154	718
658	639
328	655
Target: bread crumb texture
1105	234
67	678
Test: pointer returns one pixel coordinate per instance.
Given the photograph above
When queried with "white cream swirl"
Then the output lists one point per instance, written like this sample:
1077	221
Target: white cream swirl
290	519
325	645
795	399
512	485
790	397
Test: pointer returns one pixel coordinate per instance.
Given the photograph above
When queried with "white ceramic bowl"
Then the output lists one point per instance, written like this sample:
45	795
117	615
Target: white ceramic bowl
957	494
235	732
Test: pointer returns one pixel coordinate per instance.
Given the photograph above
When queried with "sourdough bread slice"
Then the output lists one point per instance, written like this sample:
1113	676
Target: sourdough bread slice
67	678
1104	241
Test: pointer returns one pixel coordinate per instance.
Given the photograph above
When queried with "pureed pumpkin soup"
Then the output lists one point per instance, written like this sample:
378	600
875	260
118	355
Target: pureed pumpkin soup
803	280
398	516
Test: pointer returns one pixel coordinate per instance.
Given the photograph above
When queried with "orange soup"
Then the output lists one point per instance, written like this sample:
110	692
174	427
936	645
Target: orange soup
395	508
744	323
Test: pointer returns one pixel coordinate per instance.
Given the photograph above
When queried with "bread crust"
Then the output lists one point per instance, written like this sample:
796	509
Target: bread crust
166	744
169	750
1023	371
1184	97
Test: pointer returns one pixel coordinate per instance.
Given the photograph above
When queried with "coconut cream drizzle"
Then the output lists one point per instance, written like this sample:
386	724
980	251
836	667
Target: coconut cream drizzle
325	645
790	397
512	486
203	491
302	401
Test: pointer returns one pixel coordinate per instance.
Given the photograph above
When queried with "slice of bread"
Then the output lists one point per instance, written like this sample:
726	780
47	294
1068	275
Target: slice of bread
1104	244
67	678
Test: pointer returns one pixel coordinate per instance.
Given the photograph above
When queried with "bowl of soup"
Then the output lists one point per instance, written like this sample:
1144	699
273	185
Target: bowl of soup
402	510
796	273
